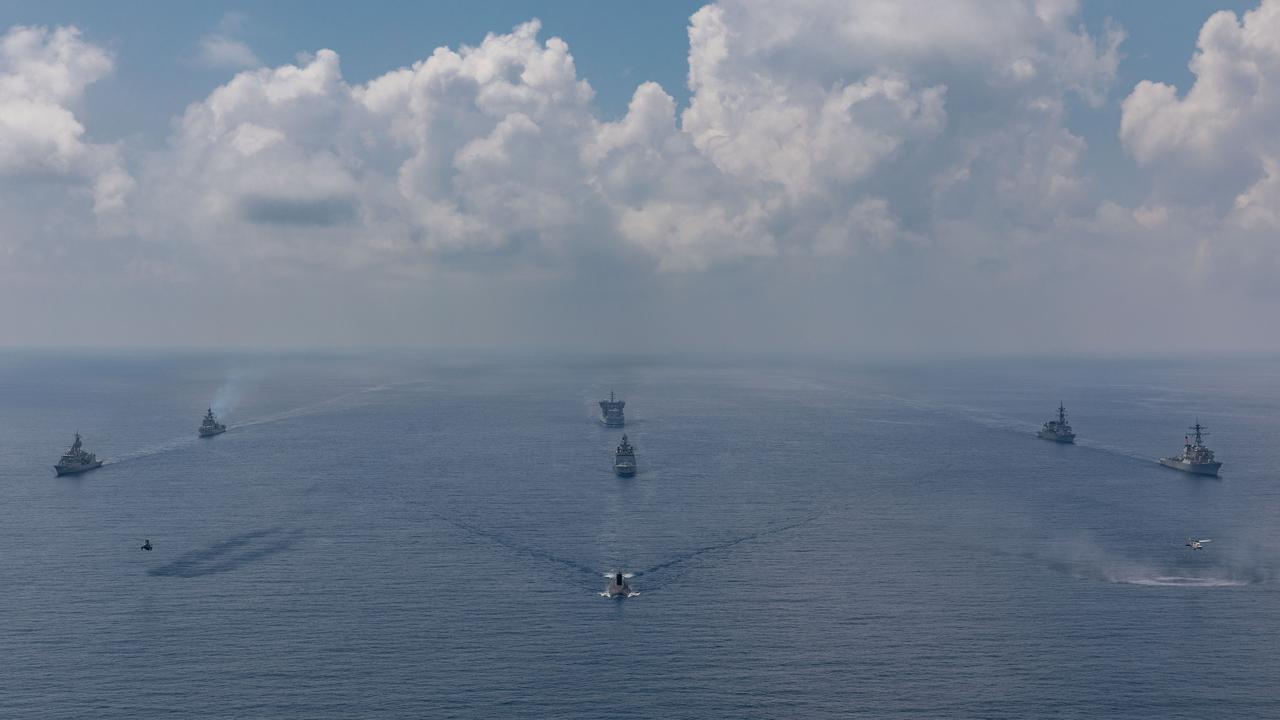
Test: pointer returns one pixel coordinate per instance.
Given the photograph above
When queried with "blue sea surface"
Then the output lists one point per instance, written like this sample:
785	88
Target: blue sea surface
427	536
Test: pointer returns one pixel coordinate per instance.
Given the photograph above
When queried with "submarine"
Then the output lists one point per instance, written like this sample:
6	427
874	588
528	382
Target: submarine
618	586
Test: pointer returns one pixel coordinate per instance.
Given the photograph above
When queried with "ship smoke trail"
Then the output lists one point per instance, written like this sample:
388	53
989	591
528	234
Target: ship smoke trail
231	391
228	396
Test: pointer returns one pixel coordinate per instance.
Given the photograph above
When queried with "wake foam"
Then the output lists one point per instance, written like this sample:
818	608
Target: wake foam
1183	581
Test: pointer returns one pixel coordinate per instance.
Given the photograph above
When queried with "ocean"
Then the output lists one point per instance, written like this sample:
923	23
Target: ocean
419	535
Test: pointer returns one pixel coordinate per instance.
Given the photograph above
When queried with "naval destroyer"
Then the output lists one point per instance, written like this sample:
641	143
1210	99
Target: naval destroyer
1058	430
210	426
76	460
1195	458
611	411
624	459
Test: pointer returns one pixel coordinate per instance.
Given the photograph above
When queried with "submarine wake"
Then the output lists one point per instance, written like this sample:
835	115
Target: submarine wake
685	558
517	547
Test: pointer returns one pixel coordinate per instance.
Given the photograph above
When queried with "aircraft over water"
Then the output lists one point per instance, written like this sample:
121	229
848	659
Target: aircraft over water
1197	544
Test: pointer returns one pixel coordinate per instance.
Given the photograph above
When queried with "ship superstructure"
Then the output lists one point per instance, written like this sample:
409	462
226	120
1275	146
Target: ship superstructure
611	411
210	425
76	460
624	459
1058	430
1195	457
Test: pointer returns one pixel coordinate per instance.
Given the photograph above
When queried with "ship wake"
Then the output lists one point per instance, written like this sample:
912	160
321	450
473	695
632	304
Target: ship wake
1089	562
1183	581
674	567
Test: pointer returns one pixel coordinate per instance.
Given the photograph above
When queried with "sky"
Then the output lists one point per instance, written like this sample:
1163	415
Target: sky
865	178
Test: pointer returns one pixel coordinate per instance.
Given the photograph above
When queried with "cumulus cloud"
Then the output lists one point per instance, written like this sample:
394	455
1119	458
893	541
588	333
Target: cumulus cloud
1225	121
825	128
852	155
57	185
224	49
43	73
220	51
1213	151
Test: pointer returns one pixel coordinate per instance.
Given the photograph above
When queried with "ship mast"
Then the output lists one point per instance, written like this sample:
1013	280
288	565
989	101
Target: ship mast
1199	432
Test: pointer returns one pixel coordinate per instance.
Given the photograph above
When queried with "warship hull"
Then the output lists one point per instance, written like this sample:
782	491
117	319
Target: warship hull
211	433
76	469
613	422
624	469
1193	468
1057	437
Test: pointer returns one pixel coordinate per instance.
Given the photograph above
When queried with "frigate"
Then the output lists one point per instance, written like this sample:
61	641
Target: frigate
76	460
1195	458
611	411
624	459
210	426
1058	430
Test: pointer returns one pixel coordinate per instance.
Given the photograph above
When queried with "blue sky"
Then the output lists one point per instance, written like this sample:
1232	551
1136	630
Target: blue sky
841	176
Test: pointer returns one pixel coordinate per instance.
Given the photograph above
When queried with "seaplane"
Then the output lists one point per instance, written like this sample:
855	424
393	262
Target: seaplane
618	586
1197	544
146	545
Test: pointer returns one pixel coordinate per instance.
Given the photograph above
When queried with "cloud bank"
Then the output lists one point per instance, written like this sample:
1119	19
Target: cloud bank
916	155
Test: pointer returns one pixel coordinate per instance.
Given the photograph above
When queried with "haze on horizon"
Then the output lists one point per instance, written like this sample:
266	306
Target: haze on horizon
875	177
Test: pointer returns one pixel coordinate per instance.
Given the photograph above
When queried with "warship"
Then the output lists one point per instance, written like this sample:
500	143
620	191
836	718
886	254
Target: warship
611	411
1195	458
624	459
211	426
1058	430
76	460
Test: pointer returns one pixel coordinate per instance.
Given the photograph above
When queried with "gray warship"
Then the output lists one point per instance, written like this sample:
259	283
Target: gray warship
1058	430
624	459
1195	458
210	426
76	460
611	411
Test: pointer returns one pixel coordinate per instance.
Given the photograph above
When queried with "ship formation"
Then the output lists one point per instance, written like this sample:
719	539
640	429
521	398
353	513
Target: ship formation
1058	430
210	425
1195	458
611	411
76	460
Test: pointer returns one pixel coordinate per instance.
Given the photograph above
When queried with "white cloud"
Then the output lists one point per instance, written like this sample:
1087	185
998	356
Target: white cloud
59	188
1227	117
220	51
875	119
224	49
43	73
1214	150
838	151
